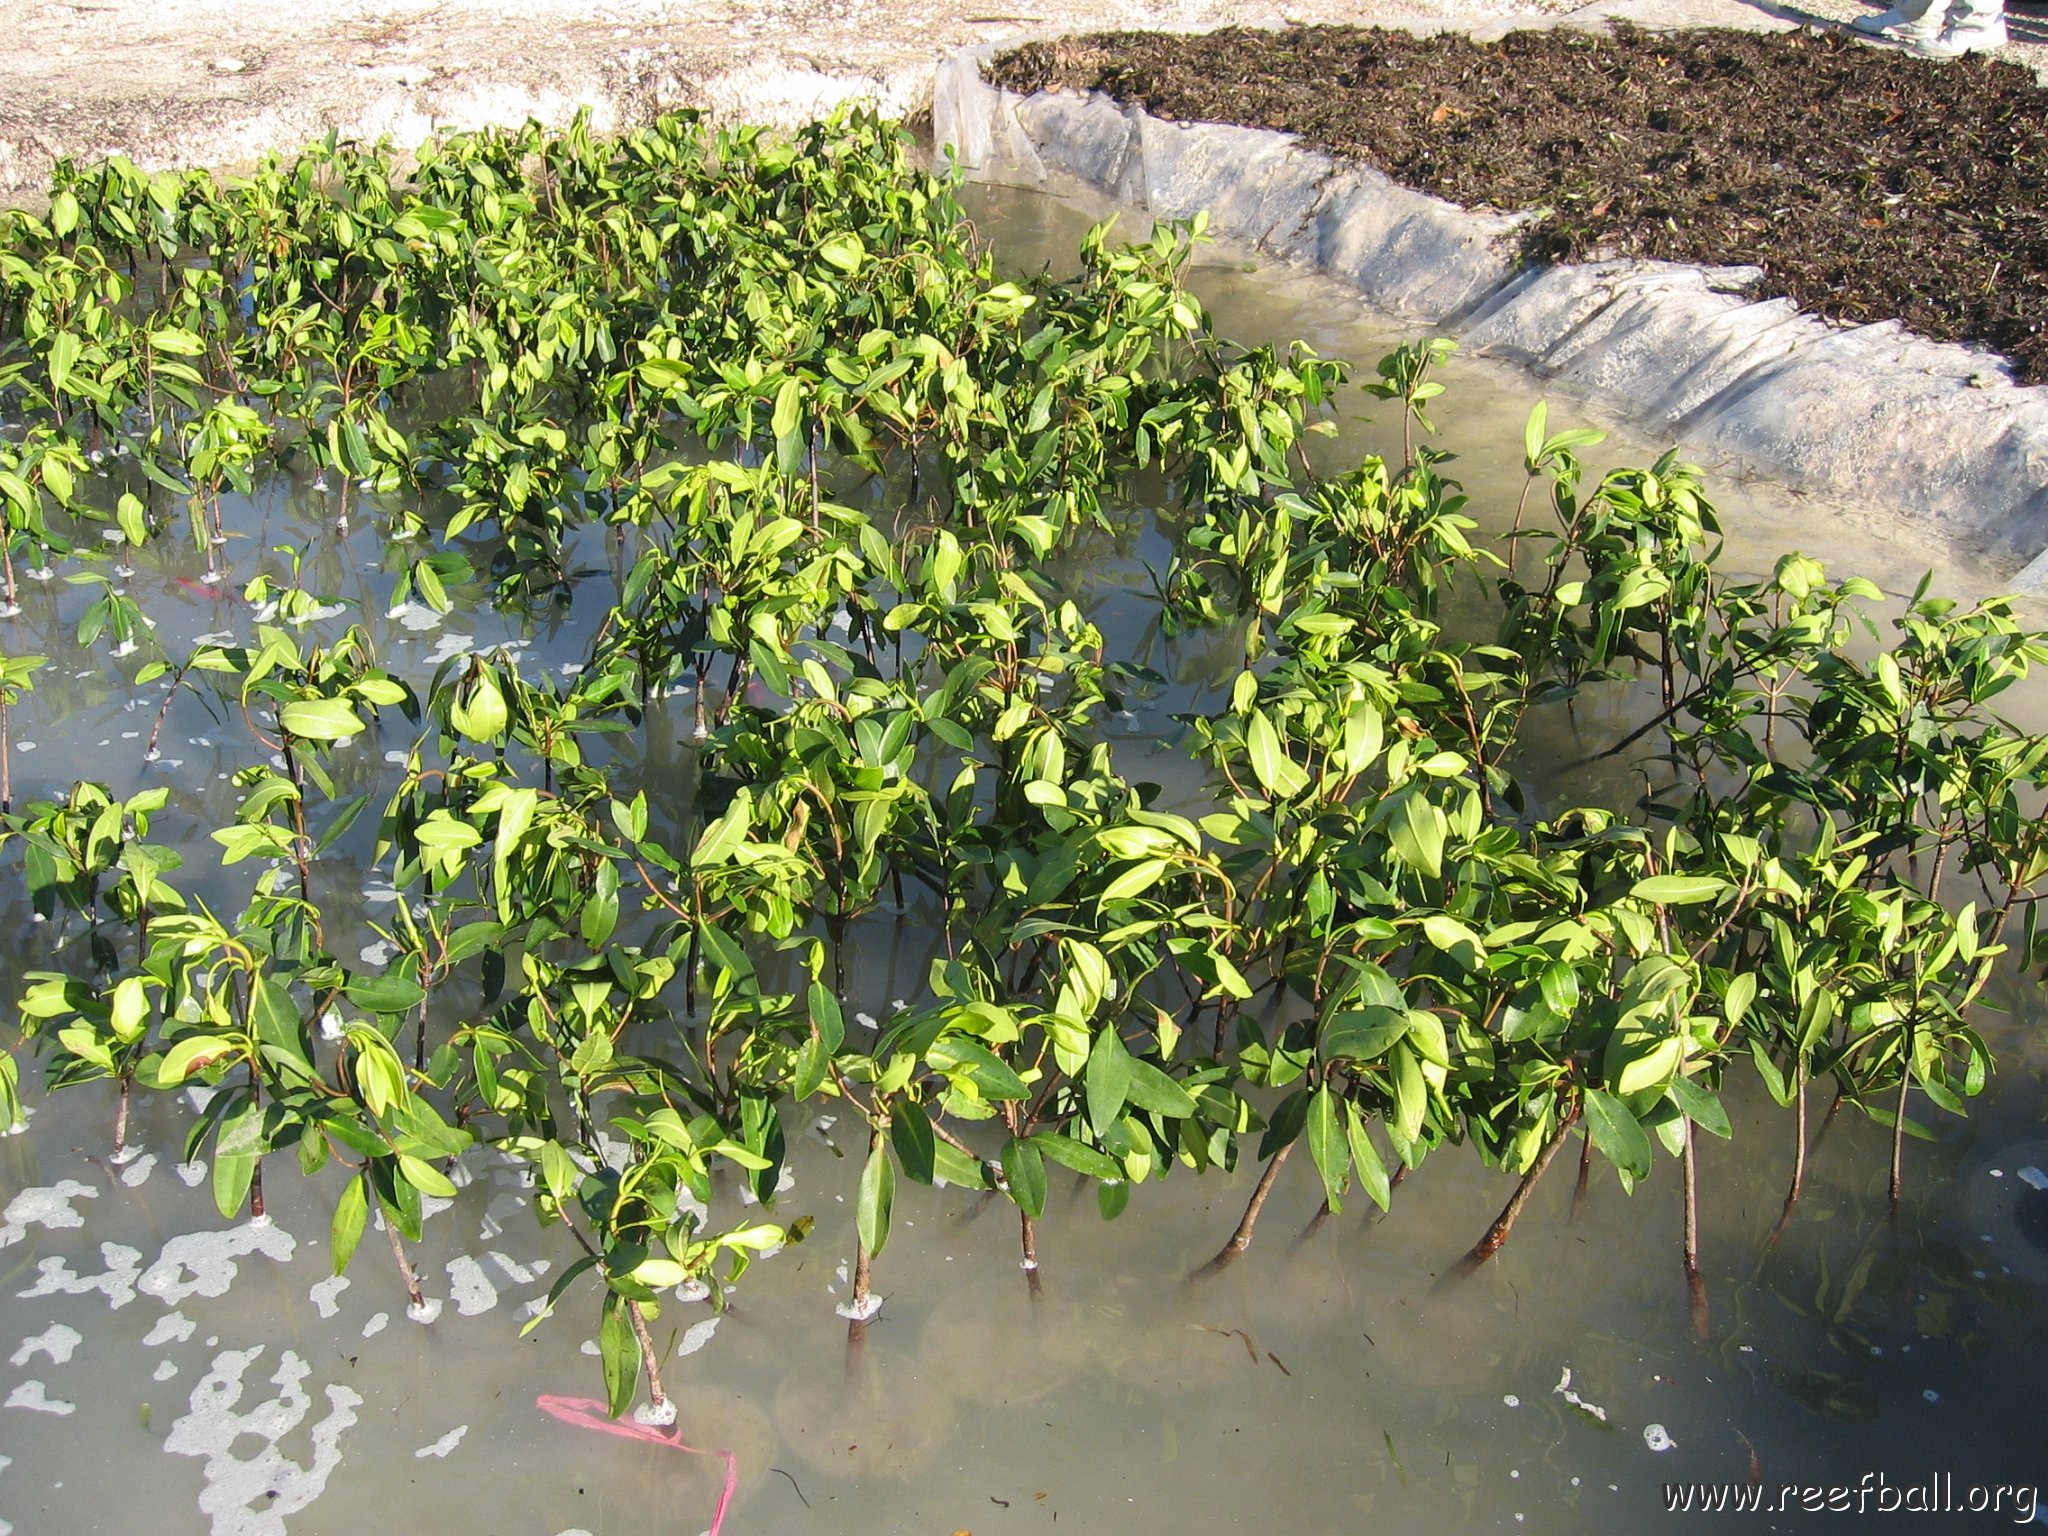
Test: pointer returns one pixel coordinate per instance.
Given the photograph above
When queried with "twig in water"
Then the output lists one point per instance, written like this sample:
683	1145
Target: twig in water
794	1484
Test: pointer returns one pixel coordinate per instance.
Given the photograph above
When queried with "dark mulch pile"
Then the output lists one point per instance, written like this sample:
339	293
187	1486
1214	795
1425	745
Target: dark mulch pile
1867	184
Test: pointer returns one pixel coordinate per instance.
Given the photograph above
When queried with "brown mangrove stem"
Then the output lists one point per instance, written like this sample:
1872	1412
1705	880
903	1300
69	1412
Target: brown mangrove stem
1504	1224
648	1354
1241	1239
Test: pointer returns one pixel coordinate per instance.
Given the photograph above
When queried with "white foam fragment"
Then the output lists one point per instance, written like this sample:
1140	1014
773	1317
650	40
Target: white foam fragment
469	1288
426	1311
55	1277
165	1370
656	1415
415	617
689	1208
33	1396
514	1271
447	648
1564	1390
204	1263
1512	1401
785	1181
323	1295
171	1328
138	1172
504	1206
444	1445
379	954
590	1348
697	1335
376	1324
859	1312
43	1205
2033	1178
56	1341
1657	1438
190	1174
252	1497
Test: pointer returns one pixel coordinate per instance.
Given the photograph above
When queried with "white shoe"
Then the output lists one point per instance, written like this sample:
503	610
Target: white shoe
1903	27
1954	41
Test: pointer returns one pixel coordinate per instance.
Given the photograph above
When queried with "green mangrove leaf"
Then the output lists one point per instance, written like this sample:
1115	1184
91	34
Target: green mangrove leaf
351	1212
1328	1146
1679	890
876	1199
1617	1135
1024	1173
320	719
1107	1079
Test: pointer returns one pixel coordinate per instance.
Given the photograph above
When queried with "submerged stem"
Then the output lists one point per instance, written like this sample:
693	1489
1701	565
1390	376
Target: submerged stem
1504	1224
1898	1180
405	1269
1029	1236
1696	1287
256	1178
863	1276
1585	1176
649	1355
1797	1186
1241	1239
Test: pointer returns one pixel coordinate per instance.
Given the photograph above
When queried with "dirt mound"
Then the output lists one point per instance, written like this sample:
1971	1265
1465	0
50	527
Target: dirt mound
1867	185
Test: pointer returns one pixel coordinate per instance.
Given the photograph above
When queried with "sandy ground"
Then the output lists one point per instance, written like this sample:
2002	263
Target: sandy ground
215	83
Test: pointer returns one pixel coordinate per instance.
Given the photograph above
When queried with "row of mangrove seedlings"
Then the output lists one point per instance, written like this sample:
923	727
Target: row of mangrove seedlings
836	464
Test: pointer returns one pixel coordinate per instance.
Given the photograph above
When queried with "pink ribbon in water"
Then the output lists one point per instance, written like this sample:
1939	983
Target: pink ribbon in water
588	1413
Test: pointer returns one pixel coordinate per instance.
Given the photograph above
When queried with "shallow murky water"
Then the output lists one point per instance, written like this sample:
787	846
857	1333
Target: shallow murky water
164	1373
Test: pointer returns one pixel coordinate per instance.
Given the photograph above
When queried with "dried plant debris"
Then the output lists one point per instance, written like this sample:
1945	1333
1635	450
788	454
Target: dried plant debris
1866	184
